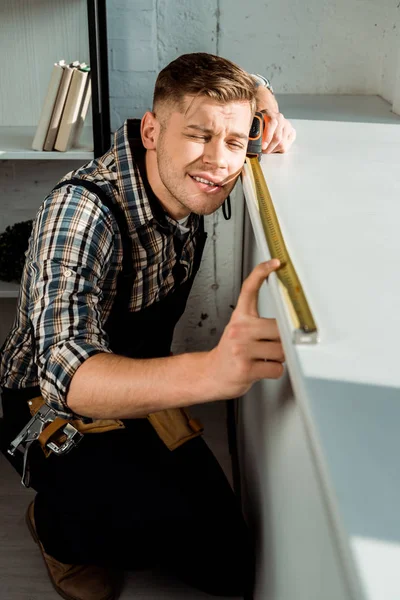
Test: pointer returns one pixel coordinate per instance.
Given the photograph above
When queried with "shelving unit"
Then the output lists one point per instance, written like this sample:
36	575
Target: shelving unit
8	290
35	35
15	141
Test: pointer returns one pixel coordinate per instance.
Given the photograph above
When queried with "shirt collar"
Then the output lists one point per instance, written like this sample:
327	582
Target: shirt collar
142	204
131	189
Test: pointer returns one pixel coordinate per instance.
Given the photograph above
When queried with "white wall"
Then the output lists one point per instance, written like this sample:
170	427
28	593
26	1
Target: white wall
314	47
390	57
319	46
322	46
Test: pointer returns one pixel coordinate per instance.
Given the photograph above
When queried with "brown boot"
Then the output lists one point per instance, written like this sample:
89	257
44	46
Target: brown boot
76	582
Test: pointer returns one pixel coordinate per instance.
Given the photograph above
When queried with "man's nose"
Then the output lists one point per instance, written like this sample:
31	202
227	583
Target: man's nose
215	154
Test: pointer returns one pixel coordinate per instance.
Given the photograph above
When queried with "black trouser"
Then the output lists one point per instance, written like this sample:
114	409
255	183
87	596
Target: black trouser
123	499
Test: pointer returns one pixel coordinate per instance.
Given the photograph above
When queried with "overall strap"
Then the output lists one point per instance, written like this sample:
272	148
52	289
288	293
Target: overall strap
201	224
201	240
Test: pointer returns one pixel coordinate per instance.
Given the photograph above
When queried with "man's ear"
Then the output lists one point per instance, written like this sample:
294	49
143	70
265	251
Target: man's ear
149	128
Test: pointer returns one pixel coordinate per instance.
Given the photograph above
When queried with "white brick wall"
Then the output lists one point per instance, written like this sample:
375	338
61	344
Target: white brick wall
390	56
341	46
323	46
133	57
320	46
190	27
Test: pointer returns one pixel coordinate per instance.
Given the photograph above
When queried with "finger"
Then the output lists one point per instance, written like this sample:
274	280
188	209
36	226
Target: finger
287	142
258	328
248	298
270	126
277	138
266	370
261	328
266	351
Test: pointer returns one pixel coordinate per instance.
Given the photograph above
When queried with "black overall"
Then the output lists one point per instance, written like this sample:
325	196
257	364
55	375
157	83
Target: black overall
122	498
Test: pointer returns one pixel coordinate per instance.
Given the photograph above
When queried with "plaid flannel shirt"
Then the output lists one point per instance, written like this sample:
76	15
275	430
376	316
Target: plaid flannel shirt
72	262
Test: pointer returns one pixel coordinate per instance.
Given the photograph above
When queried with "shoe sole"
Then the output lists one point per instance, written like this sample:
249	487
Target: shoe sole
30	520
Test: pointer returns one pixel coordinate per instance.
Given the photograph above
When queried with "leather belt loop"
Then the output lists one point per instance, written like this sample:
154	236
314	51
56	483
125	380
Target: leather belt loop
50	430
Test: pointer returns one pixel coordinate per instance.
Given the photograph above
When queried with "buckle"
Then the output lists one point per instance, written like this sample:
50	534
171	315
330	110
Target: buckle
73	437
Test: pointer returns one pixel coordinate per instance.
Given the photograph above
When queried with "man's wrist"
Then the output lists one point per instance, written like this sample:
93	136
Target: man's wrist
260	80
266	101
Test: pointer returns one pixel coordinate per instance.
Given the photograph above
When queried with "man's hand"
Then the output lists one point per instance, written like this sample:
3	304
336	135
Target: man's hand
279	134
250	348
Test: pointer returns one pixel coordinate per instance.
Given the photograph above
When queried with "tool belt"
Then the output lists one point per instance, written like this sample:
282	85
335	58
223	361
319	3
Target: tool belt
174	426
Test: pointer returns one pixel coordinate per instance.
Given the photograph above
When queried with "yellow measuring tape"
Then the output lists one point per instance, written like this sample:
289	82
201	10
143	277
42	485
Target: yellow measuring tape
305	327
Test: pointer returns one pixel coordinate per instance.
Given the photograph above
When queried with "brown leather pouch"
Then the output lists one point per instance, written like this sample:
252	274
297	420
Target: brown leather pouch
52	431
175	427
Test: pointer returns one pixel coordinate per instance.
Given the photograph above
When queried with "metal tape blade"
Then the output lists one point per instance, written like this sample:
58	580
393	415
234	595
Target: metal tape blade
305	329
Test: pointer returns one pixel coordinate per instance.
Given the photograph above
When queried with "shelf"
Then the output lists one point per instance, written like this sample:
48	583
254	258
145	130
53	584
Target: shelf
8	289
16	144
337	107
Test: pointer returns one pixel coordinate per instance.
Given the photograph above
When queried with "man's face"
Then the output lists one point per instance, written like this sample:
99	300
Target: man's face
200	154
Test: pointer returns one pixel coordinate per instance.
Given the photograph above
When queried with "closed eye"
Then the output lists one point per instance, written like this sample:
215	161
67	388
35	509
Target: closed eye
205	138
201	138
237	145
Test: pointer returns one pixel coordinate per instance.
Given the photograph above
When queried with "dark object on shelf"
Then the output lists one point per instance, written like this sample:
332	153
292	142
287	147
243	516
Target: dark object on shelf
13	245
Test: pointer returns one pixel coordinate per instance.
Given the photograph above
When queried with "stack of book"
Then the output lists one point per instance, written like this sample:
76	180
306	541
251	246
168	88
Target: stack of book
65	107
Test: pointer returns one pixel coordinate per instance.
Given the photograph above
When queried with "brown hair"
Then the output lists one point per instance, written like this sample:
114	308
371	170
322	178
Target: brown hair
202	74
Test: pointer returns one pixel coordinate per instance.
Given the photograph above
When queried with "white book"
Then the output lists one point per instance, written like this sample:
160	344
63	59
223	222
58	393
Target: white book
48	105
72	109
58	109
83	112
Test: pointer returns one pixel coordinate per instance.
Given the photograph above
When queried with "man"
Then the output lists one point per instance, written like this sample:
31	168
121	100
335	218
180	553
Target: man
107	274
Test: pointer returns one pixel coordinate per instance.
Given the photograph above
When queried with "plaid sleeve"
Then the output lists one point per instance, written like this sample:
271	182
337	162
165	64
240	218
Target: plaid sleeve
69	256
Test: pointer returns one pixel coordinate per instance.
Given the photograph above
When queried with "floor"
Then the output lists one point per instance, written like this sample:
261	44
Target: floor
22	572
